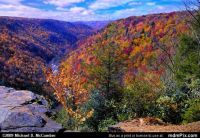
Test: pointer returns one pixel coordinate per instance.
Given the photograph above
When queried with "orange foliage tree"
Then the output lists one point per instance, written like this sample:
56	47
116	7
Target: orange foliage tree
69	92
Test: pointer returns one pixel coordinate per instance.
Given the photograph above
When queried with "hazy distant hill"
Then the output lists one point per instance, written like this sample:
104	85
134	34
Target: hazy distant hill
97	25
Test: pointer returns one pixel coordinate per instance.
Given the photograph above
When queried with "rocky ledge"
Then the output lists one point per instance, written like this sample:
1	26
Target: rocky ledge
24	111
153	125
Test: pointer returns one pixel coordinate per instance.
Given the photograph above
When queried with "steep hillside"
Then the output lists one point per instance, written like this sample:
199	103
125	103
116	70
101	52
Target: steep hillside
27	45
138	40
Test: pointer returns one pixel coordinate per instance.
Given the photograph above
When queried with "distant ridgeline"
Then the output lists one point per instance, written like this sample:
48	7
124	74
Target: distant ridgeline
28	45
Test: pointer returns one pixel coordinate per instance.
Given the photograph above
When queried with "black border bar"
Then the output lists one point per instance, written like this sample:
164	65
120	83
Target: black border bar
101	135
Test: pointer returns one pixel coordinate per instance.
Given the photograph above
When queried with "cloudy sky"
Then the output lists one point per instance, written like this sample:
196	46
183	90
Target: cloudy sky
86	10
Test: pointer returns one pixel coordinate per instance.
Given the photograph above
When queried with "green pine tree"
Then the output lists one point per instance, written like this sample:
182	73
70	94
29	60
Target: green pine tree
106	75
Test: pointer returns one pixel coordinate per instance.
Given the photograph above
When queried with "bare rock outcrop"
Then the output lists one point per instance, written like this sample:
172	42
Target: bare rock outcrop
24	111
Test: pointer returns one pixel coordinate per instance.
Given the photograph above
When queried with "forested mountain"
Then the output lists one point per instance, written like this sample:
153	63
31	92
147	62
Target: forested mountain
27	45
138	40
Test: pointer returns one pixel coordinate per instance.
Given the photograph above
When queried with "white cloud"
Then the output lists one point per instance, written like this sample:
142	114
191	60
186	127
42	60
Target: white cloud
77	9
77	13
151	3
160	7
124	13
135	3
62	3
19	10
10	1
105	4
81	11
72	14
164	9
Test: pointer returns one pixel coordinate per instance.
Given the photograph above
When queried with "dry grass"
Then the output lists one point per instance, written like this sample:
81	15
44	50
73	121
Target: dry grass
142	125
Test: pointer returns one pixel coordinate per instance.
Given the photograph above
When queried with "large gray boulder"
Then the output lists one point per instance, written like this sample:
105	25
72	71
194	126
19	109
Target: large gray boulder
24	111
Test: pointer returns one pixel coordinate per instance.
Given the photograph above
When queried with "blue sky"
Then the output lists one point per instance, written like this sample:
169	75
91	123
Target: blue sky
86	10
